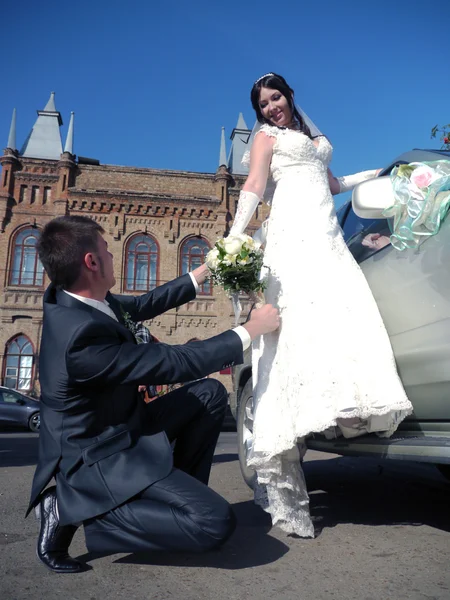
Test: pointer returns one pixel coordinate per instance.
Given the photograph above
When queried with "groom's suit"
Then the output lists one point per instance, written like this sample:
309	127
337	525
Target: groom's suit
104	445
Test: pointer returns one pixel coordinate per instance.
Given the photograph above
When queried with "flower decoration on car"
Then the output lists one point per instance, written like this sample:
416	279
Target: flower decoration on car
422	200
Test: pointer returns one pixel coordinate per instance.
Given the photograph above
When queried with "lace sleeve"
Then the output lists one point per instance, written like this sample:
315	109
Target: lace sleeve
268	130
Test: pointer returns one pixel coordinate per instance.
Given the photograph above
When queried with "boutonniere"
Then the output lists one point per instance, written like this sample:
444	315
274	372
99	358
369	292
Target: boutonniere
130	324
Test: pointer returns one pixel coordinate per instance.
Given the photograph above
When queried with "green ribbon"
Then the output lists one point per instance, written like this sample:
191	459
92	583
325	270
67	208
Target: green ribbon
418	212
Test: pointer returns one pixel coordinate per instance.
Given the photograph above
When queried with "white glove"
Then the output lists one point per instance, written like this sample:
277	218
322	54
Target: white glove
248	201
260	235
348	182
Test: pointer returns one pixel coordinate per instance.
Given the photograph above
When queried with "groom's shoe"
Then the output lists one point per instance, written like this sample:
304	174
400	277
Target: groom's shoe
54	539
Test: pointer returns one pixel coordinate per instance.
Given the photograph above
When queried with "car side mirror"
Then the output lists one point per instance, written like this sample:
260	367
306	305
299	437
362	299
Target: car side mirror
20	402
370	198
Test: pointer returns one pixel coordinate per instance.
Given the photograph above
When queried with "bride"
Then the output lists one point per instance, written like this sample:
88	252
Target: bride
330	366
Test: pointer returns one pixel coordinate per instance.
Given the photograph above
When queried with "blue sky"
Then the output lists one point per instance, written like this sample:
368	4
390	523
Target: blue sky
152	82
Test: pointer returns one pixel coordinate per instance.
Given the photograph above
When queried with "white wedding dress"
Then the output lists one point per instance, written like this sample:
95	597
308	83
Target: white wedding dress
330	367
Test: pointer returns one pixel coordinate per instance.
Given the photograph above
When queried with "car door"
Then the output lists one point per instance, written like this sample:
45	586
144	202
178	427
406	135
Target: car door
412	290
12	408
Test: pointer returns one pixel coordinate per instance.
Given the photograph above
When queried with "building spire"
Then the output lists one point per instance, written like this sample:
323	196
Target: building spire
44	140
12	132
223	150
241	123
50	106
240	137
69	141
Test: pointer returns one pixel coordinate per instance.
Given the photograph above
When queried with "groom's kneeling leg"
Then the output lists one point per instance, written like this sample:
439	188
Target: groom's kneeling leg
193	416
195	444
177	513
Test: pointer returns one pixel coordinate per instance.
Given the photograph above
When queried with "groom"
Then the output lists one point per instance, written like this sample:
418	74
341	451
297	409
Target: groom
109	451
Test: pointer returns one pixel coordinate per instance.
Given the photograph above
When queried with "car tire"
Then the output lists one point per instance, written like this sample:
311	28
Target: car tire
244	431
34	422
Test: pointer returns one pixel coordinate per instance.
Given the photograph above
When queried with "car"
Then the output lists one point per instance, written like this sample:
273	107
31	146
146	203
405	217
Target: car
412	290
19	410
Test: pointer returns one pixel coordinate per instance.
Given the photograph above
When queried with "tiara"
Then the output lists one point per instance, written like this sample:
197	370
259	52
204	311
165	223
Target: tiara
262	77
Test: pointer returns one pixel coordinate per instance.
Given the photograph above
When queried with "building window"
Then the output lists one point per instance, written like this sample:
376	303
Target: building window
34	194
193	254
47	195
19	364
26	269
141	263
23	193
5	179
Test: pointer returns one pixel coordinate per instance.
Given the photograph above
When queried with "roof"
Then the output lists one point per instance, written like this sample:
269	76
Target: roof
44	140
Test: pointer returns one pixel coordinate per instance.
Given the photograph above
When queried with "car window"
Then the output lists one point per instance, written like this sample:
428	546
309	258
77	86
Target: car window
10	397
365	237
353	225
341	212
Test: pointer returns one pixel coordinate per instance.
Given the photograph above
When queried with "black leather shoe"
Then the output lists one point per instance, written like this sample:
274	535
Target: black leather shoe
54	539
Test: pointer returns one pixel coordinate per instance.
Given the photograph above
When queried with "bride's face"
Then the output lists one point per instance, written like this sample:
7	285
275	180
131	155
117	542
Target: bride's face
275	107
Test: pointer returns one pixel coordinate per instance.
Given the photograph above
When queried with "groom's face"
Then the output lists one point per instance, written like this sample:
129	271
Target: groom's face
105	259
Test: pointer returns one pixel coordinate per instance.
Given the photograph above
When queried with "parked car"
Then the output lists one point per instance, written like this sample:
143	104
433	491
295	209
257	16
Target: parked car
412	291
18	410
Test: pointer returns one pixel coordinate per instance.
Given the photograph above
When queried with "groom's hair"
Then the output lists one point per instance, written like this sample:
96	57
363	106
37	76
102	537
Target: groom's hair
62	246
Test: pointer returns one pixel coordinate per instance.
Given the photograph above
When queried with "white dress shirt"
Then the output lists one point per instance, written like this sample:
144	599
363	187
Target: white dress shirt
103	306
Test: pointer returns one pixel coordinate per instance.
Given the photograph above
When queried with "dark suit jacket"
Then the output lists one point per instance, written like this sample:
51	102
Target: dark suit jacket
92	436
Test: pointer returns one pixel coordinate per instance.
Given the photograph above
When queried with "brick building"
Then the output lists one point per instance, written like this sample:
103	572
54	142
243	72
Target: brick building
158	223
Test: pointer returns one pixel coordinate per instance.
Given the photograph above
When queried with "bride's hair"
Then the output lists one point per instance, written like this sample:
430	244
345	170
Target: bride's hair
276	82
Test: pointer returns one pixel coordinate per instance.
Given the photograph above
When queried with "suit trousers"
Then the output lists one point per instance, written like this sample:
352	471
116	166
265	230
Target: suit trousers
179	512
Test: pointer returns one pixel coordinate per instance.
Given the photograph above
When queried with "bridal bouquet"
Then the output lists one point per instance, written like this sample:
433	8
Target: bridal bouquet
235	264
422	200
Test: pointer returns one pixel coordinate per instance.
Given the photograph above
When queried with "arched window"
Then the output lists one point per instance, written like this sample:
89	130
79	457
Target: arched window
193	254
19	364
141	270
26	268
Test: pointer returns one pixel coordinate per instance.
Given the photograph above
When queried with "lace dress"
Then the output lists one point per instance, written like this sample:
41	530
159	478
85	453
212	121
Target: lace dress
330	366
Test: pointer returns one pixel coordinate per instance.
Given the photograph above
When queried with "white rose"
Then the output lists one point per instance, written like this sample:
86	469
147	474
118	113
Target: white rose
230	259
250	243
212	258
232	244
243	237
245	261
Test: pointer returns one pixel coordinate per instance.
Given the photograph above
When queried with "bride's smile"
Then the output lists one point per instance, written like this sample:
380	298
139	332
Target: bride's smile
275	107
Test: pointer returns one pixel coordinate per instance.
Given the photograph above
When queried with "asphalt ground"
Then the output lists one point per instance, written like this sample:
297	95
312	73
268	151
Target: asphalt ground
383	531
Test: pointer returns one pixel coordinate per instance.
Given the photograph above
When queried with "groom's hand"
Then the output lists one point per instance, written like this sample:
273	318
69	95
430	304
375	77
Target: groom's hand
201	274
263	320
